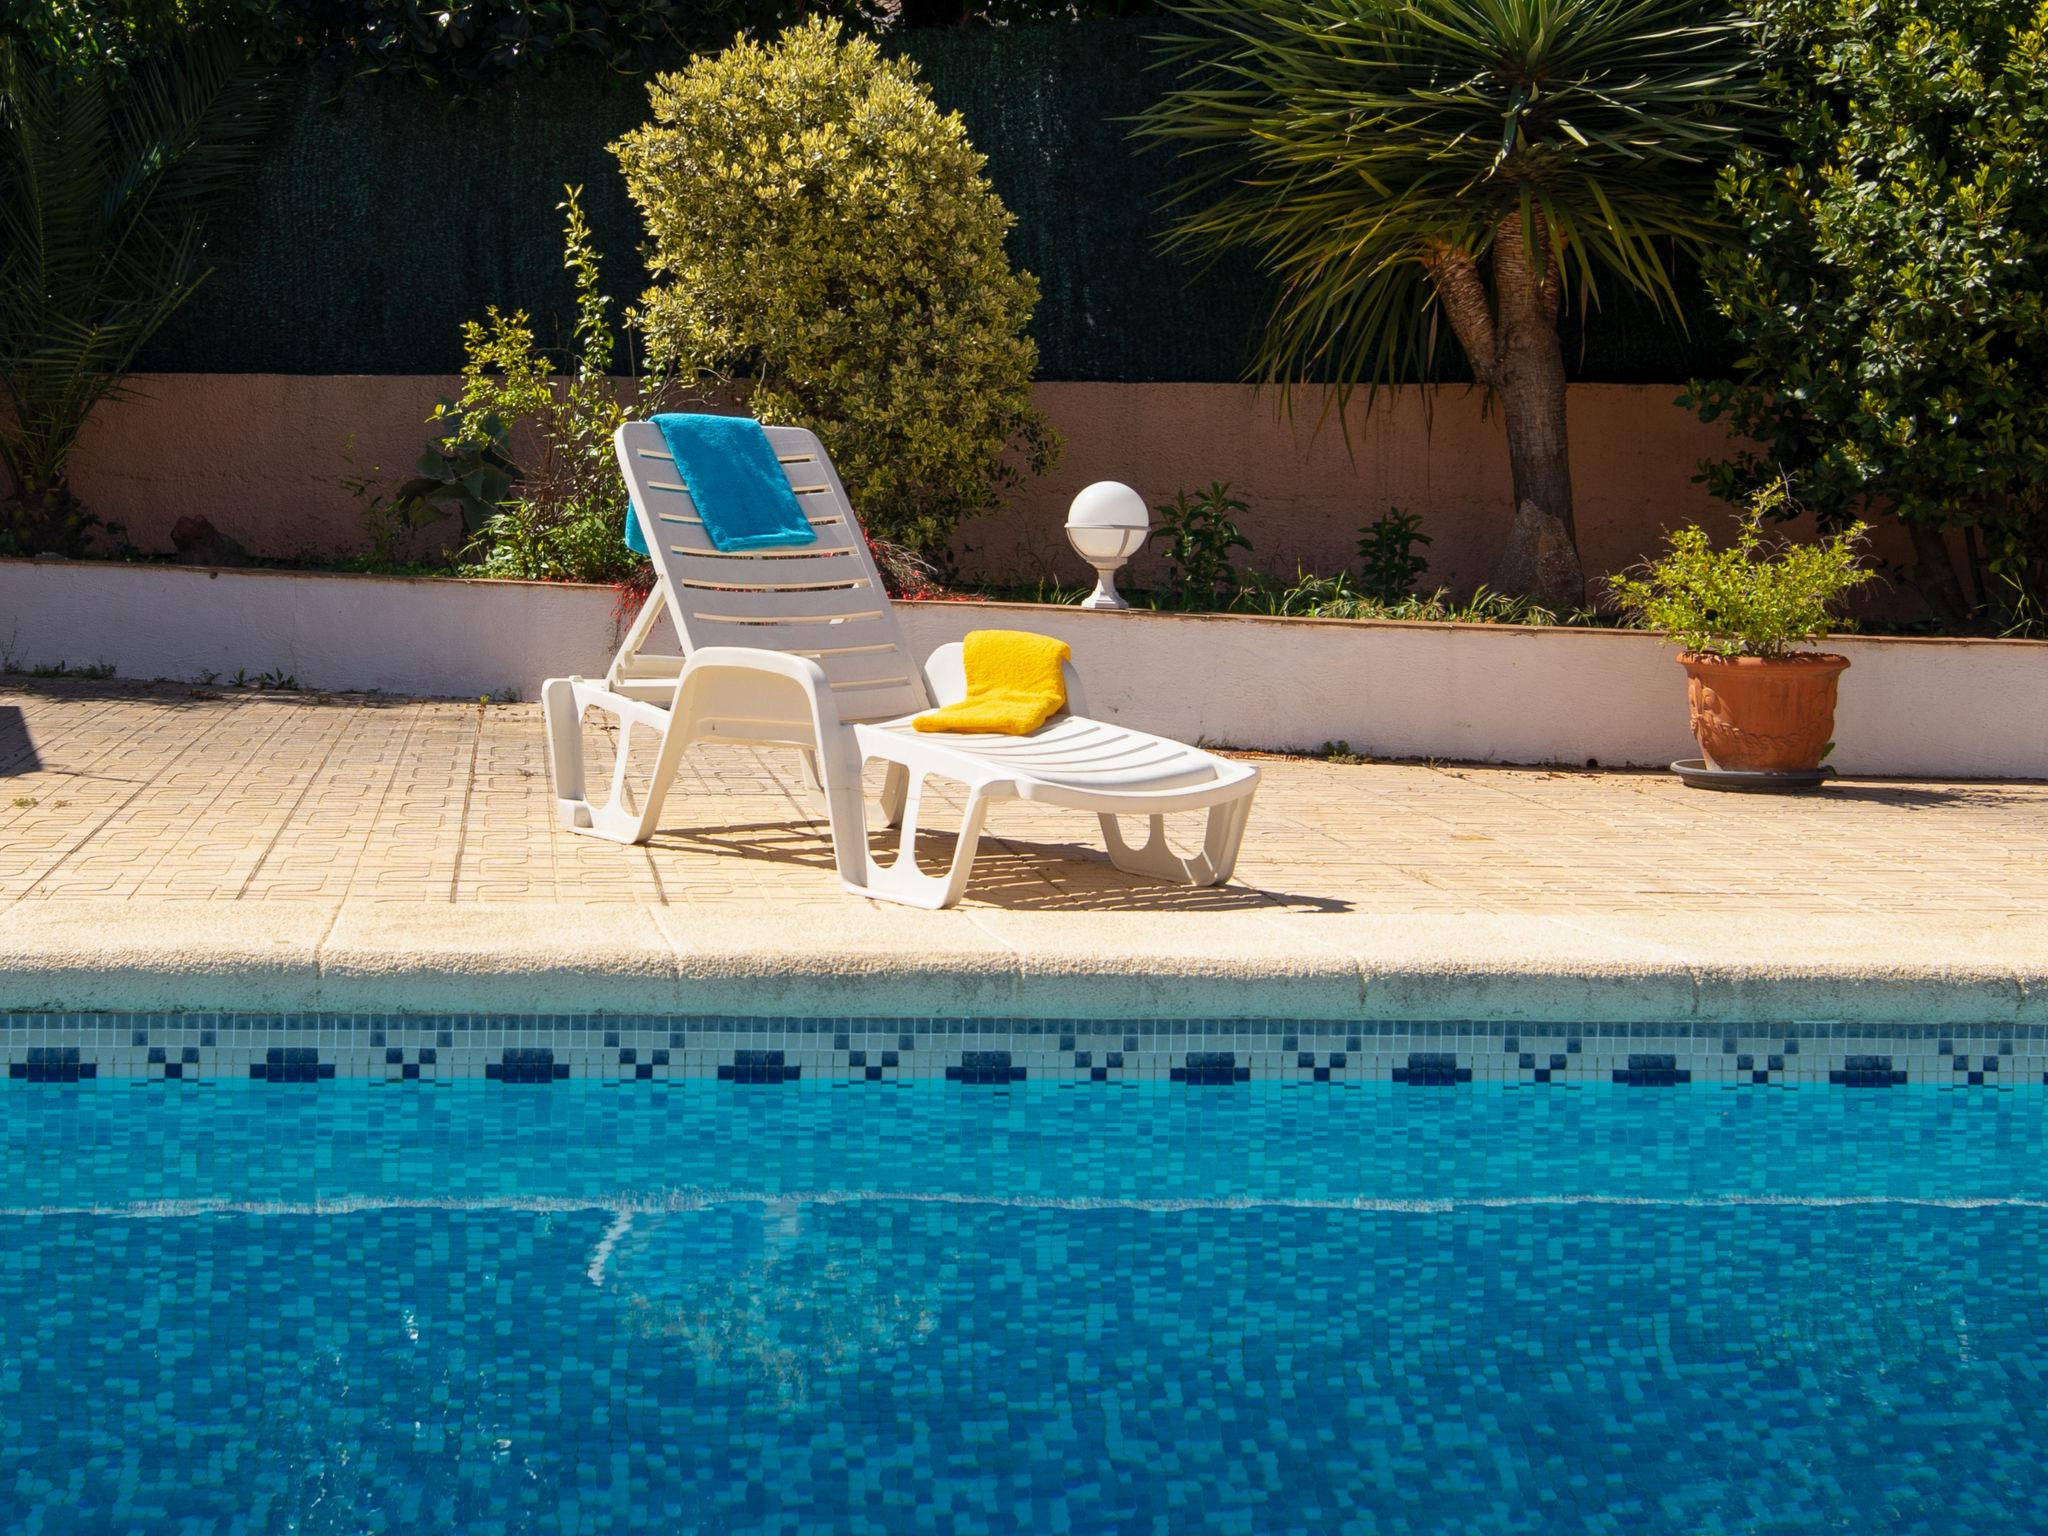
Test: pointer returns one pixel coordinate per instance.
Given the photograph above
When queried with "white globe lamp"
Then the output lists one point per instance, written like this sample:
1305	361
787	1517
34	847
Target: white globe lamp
1106	524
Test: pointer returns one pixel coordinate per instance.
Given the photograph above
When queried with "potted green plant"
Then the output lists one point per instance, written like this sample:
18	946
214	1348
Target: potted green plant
1758	705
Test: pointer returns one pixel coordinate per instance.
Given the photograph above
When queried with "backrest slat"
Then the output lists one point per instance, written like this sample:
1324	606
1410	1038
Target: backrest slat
824	600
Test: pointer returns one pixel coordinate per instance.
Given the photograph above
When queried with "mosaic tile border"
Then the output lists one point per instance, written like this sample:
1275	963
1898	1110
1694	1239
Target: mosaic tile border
537	1049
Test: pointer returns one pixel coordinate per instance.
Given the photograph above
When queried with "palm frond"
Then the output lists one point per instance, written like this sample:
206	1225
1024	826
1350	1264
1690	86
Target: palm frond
1344	140
104	183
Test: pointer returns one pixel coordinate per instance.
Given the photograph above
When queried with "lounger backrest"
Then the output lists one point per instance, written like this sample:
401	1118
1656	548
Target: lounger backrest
822	600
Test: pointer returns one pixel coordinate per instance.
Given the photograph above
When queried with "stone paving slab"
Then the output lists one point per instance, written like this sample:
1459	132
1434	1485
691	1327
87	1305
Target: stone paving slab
169	846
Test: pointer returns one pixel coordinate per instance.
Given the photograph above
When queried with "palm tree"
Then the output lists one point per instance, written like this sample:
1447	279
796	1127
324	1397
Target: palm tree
105	174
1398	164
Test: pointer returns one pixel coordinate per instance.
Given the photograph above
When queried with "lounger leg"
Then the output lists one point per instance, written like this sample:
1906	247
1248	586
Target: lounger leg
564	719
1212	866
624	817
901	880
895	786
836	767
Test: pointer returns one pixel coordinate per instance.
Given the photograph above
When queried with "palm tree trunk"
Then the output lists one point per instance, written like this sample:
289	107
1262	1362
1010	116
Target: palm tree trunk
48	520
1530	382
1513	347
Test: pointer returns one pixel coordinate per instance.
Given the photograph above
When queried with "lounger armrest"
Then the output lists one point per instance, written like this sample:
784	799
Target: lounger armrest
945	675
743	693
746	658
770	698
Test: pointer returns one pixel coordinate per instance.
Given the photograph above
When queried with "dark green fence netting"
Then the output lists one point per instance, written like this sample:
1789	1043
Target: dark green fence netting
384	215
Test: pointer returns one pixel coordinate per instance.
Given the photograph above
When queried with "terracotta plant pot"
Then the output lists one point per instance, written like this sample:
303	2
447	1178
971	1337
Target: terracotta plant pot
1758	715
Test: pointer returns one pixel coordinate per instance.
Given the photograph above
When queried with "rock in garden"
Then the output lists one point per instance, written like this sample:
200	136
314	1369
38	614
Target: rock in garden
198	542
1539	561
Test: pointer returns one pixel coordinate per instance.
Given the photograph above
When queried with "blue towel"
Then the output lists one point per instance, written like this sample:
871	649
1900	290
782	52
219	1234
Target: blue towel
736	482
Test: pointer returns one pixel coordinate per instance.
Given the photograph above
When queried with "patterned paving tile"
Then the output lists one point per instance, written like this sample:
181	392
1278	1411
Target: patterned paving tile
171	791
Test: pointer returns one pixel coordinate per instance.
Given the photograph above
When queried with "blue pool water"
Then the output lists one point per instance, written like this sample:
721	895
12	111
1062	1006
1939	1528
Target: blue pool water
940	1308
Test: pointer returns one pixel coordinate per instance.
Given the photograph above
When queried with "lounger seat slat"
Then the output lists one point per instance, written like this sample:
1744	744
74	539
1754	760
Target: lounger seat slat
857	599
648	664
689	541
732	560
668	489
1081	754
799	637
734	581
866	667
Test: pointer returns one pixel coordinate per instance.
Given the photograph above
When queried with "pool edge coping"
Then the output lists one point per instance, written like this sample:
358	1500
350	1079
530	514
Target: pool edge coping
858	960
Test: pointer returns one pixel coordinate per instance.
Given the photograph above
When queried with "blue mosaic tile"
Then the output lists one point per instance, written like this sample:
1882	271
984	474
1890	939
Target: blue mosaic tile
1211	1068
531	1049
52	1064
1649	1069
985	1067
759	1066
1432	1069
527	1064
1869	1072
1352	1309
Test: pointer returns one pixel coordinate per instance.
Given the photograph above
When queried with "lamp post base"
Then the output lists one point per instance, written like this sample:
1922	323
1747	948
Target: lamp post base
1105	594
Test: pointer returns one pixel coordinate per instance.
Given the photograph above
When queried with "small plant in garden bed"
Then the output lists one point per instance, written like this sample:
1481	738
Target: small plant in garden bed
1334	597
561	515
1388	564
1201	532
274	681
91	672
1310	597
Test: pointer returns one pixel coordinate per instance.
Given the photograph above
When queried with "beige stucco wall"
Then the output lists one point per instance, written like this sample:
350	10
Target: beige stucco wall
1438	454
264	457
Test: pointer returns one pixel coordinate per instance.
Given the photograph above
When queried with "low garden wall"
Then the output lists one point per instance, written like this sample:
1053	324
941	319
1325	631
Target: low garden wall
1492	693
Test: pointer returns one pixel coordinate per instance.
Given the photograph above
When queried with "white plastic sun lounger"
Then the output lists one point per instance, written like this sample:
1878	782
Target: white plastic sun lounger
799	647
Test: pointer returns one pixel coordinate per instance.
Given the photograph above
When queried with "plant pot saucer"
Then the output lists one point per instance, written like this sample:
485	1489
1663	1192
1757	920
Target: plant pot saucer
1697	775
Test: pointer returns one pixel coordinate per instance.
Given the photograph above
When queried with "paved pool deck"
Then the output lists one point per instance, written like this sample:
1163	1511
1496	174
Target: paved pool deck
177	848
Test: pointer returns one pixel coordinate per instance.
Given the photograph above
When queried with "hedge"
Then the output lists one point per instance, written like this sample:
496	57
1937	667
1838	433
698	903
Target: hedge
385	214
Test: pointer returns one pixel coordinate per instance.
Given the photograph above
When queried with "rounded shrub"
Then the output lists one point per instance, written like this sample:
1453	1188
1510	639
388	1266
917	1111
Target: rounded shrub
824	242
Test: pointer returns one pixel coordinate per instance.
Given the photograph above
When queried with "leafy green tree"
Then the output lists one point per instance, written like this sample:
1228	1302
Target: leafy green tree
463	46
105	177
1407	165
824	240
1887	294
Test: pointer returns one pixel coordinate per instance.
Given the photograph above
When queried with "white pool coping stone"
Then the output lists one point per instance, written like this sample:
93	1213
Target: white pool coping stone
867	961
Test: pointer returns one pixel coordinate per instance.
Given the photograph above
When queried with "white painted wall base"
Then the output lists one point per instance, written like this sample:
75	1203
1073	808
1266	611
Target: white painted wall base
1488	693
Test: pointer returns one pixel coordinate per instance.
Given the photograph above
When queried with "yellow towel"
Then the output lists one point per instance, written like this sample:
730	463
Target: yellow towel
1013	684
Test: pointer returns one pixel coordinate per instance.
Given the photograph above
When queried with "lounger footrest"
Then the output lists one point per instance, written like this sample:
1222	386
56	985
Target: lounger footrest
1072	761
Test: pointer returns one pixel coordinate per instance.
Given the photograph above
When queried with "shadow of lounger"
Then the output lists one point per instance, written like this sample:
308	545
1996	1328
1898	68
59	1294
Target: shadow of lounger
17	750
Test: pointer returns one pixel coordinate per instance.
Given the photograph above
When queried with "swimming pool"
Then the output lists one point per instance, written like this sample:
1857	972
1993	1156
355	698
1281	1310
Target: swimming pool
1042	1307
